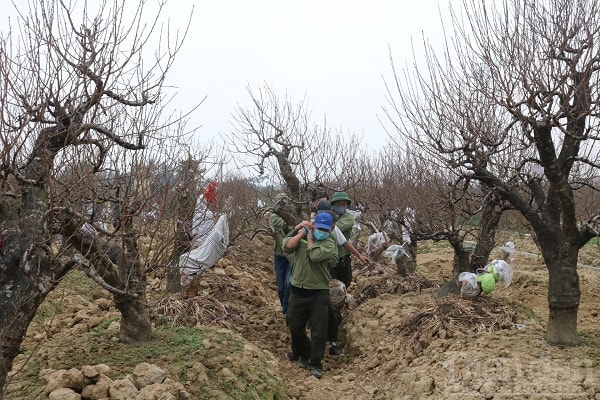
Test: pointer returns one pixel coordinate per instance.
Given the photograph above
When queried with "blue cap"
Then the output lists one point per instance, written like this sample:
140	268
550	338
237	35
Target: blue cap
324	221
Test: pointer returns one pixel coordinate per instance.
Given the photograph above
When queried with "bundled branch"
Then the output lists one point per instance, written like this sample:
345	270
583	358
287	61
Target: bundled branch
450	317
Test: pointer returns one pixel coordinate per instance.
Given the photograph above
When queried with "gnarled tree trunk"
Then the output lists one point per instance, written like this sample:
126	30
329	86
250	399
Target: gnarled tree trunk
119	267
564	293
486	239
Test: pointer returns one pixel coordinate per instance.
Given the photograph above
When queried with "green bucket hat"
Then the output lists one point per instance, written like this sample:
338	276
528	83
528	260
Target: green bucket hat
340	196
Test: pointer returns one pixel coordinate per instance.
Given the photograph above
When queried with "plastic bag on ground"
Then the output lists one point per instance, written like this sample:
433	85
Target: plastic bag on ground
504	271
487	282
468	285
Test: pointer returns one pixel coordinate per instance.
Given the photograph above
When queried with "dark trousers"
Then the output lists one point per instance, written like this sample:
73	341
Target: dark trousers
333	326
309	306
283	272
343	270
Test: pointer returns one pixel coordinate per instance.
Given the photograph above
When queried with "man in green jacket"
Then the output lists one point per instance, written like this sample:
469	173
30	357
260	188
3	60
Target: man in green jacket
339	203
335	315
315	252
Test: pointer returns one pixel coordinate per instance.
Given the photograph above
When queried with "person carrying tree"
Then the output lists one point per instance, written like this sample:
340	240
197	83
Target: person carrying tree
335	315
314	253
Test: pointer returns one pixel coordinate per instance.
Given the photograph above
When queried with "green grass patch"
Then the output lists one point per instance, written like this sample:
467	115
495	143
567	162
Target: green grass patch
167	344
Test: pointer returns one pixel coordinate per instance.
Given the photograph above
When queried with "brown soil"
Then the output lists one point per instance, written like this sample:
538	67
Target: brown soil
400	342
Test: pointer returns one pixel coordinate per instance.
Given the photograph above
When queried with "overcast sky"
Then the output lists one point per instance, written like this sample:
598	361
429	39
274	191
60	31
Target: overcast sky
336	52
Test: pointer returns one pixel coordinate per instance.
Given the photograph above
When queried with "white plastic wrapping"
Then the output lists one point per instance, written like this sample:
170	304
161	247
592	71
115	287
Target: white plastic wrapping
504	271
468	285
356	227
375	242
395	251
211	250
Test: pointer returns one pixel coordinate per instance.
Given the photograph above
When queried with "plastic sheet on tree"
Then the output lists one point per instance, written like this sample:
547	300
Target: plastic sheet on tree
209	253
396	251
376	242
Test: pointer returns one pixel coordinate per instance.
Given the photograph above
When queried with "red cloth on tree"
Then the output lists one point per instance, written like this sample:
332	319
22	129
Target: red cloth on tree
210	194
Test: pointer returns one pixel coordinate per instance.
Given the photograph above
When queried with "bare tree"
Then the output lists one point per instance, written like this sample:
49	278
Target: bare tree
278	138
513	103
188	193
80	94
420	198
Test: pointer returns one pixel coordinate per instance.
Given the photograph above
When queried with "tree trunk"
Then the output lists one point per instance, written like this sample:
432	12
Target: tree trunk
135	319
460	261
185	207
401	266
562	326
119	267
411	264
449	287
291	217
17	309
486	240
27	275
173	276
564	294
464	261
135	314
407	264
181	245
